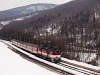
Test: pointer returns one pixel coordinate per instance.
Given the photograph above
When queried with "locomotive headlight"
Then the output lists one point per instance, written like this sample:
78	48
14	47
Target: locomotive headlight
57	57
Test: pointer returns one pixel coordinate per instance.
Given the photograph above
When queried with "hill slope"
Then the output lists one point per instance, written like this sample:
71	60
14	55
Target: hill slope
23	11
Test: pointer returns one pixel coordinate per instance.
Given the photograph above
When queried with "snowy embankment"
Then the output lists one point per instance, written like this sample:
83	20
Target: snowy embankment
47	62
81	63
12	64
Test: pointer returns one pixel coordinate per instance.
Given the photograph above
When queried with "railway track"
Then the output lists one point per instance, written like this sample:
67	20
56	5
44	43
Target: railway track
41	63
84	71
89	71
47	66
62	63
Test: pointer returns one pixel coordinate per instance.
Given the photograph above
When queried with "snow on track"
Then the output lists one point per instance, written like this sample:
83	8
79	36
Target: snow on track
49	63
12	64
81	63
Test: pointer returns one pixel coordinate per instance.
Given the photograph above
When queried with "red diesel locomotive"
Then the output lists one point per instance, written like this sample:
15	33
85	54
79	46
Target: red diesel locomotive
53	54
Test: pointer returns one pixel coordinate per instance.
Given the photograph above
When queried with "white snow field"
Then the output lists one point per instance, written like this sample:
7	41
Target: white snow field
44	61
12	64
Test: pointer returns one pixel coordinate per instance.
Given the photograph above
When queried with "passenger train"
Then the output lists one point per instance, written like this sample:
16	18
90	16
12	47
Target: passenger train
49	53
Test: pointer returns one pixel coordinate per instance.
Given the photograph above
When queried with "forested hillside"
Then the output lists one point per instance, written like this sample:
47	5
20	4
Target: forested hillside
23	12
1	26
73	27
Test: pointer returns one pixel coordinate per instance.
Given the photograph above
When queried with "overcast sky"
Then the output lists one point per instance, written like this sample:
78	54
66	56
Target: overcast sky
8	4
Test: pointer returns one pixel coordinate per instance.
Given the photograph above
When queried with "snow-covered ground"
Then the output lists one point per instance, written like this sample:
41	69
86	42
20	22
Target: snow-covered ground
12	64
81	63
47	62
44	61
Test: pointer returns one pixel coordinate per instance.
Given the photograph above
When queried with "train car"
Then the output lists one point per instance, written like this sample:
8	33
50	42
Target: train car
31	47
14	42
23	46
53	54
26	46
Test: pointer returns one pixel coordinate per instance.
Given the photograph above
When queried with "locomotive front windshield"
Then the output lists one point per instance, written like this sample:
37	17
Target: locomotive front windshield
56	51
